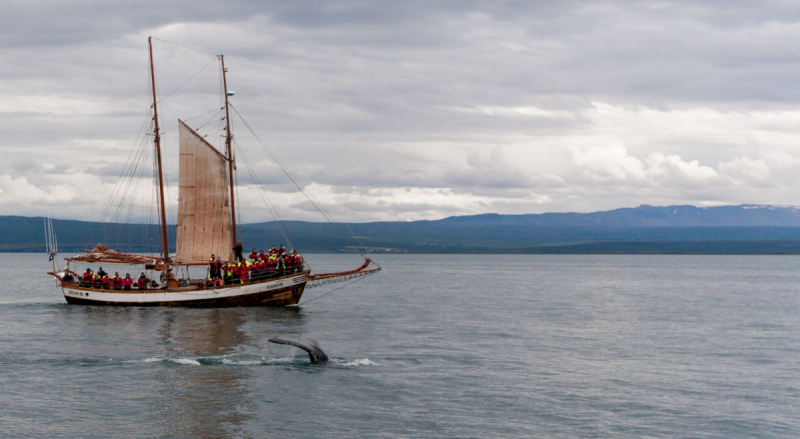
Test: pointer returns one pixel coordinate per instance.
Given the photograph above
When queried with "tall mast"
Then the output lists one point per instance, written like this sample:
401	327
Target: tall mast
228	138
164	242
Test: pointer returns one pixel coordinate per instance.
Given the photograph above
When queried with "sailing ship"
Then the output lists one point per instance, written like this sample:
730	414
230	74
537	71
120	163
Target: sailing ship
206	225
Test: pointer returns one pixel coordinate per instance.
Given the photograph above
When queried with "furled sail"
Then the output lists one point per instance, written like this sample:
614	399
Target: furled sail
204	222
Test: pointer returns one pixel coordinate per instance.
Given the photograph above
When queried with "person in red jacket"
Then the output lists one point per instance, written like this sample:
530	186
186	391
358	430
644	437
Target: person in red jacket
281	251
271	251
142	282
272	264
244	271
261	269
87	278
236	273
293	262
253	255
116	281
105	283
127	282
213	266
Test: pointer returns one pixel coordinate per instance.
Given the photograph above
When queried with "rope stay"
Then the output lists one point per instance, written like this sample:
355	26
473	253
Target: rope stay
186	81
313	283
292	179
125	190
185	47
264	196
297	161
334	290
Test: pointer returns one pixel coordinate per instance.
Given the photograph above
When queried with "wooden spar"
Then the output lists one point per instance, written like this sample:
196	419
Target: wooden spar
164	242
228	138
344	273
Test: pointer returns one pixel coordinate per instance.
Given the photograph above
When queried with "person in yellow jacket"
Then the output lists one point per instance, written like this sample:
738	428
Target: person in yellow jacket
228	274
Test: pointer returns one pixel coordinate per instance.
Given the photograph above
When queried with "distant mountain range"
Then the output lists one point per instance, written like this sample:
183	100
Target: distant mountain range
747	229
748	215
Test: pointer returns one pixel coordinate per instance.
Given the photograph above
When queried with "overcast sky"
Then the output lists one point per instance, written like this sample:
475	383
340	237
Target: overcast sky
412	110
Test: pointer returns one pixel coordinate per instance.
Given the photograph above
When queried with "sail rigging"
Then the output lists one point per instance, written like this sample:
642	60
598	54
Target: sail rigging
205	226
228	138
204	212
157	141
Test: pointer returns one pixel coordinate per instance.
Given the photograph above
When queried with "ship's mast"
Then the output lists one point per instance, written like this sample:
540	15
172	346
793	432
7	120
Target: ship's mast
228	138
164	242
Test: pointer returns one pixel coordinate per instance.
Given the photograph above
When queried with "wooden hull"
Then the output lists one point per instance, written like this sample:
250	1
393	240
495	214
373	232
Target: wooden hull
283	291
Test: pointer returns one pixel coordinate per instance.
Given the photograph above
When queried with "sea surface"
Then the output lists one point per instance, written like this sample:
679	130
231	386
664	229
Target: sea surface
433	346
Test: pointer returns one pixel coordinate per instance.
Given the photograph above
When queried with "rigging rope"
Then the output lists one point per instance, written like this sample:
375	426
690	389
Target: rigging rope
203	114
297	160
333	291
275	159
125	169
184	82
185	47
270	206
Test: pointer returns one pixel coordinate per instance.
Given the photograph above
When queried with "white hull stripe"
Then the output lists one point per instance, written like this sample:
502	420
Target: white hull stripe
180	296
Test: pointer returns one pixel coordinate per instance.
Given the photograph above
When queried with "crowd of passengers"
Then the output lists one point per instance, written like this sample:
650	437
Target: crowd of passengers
100	280
258	266
273	263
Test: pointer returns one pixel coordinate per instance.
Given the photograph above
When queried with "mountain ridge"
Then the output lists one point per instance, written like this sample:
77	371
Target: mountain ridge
744	229
653	216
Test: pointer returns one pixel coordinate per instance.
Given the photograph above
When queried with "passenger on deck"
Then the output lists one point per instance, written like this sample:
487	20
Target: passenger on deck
142	282
105	283
288	260
127	282
214	267
260	269
87	278
253	256
116	281
211	261
101	273
97	281
281	250
271	251
297	261
272	265
237	250
244	272
236	273
68	277
281	265
262	256
228	271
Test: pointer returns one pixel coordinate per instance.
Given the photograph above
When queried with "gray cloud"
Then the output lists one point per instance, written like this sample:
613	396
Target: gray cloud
416	109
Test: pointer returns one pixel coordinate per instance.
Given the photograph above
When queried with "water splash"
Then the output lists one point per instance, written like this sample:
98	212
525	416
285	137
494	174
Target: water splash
353	363
190	361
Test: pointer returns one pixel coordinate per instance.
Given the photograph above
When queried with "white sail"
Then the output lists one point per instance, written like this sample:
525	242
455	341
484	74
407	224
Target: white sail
204	222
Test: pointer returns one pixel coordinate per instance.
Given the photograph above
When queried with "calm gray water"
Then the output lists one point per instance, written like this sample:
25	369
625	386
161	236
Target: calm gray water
434	346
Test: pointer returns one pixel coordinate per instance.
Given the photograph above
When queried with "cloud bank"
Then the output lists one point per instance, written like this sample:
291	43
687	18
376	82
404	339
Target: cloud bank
413	110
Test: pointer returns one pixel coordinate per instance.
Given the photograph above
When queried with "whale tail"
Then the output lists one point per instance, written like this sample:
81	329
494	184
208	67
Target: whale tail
306	343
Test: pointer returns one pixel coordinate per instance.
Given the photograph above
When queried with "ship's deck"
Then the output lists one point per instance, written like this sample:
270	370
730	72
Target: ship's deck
185	284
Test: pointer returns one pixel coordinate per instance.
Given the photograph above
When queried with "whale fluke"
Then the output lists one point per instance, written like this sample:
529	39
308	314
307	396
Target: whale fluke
306	343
